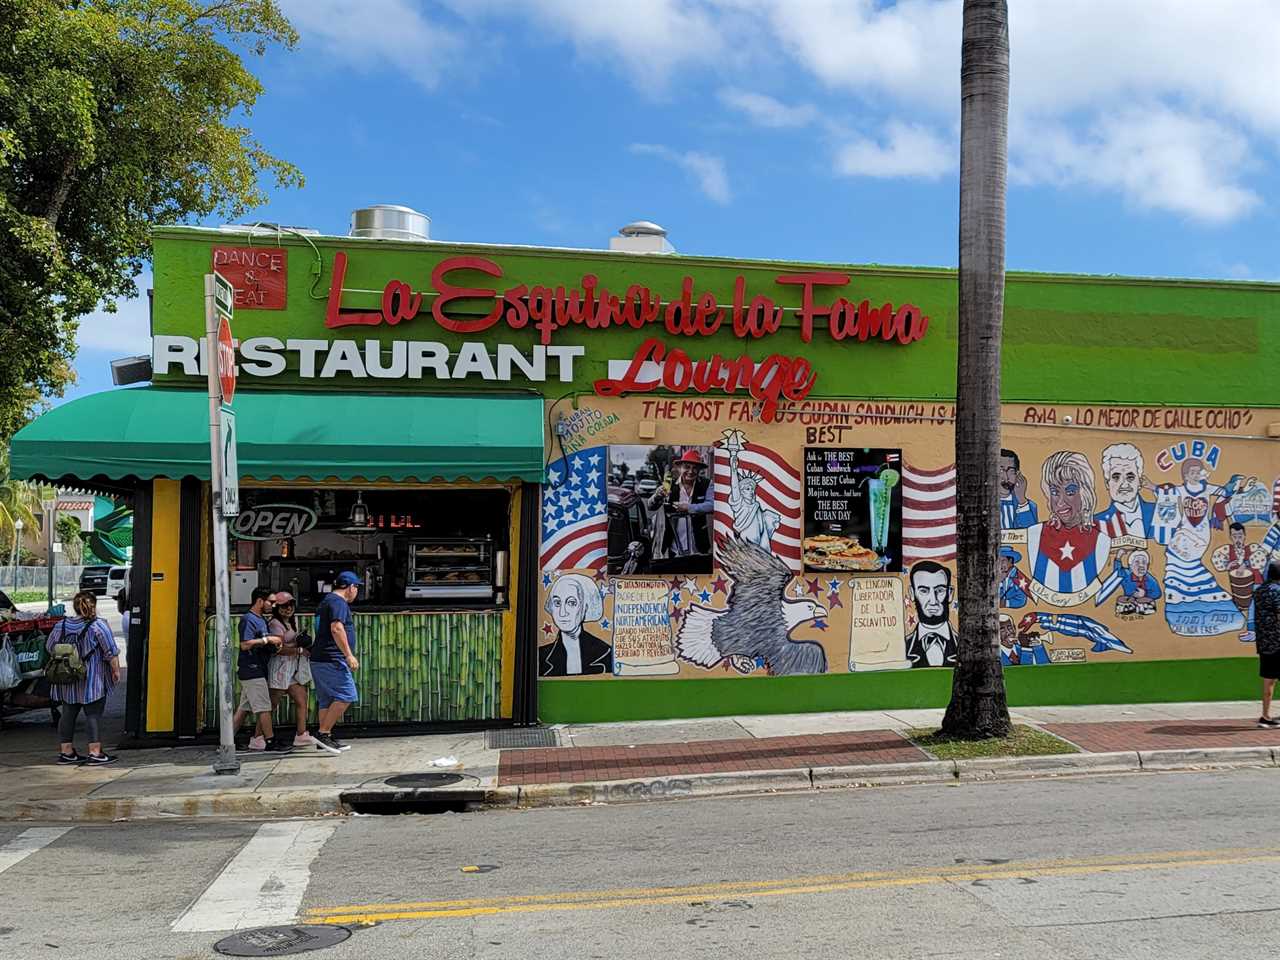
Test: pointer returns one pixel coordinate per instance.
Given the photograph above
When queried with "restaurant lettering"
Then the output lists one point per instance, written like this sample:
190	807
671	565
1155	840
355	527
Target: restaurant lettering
692	313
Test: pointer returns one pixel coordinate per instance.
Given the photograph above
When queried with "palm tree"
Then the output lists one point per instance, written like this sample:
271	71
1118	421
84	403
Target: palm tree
978	706
18	501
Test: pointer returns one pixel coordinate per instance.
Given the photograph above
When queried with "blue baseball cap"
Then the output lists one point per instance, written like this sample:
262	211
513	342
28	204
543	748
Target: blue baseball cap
346	579
1011	553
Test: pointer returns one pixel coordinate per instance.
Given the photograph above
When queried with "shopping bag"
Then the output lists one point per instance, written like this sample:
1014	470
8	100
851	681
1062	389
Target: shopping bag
31	653
10	676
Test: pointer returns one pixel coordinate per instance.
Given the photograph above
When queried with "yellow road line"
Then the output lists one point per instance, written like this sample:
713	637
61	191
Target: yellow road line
644	896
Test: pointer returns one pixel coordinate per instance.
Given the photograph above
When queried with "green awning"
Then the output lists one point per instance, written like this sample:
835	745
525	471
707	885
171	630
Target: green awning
147	432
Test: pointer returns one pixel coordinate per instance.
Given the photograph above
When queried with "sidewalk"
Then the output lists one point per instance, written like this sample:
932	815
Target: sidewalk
613	762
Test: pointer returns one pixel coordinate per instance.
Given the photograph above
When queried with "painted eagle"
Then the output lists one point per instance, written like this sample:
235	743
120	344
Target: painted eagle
758	619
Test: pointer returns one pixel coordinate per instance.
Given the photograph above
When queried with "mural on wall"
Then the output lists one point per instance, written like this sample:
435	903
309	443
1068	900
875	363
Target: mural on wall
756	623
661	499
757	497
1116	545
933	641
1067	551
574	600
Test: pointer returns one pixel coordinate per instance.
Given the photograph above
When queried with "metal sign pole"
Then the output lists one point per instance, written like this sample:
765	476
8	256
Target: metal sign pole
226	761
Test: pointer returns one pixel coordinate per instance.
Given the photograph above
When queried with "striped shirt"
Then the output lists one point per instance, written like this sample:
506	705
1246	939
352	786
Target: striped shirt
96	647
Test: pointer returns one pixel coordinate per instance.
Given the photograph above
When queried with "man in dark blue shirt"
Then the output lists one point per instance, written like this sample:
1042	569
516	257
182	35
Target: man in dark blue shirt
333	659
256	648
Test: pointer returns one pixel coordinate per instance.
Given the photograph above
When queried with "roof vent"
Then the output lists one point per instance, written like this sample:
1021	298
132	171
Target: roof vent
641	236
387	221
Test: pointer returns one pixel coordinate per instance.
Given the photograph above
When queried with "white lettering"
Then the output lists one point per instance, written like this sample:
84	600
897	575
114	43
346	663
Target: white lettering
344	357
535	369
566	357
373	360
167	351
428	353
260	357
307	352
473	358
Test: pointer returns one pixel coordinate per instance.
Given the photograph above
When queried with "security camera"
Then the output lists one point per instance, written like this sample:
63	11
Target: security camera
1067	419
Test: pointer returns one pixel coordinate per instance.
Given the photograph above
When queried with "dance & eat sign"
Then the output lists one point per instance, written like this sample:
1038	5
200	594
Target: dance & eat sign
654	365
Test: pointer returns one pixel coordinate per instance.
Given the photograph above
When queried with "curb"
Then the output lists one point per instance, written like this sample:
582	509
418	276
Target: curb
290	803
335	801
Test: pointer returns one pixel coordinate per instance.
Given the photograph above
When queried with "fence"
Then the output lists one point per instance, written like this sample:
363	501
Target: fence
66	580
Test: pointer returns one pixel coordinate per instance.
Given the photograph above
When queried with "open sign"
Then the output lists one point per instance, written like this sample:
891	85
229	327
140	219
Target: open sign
273	521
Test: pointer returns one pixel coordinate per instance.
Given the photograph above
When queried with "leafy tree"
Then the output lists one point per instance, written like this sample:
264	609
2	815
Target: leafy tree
69	535
18	501
978	706
114	115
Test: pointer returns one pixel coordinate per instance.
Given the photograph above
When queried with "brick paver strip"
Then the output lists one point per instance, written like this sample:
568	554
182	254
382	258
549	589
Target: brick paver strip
586	764
1164	734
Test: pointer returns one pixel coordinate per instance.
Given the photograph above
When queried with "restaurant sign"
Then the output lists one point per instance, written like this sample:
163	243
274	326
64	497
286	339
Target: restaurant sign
462	308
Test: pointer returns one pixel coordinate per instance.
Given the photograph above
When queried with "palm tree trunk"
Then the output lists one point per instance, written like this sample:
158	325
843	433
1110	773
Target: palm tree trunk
978	706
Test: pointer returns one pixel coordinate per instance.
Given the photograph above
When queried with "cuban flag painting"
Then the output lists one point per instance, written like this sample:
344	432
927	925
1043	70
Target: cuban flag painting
1067	560
575	522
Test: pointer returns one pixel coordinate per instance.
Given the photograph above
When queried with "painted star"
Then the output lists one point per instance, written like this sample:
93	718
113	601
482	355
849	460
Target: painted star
834	601
577	463
553	476
584	510
1068	551
594	459
546	579
676	614
675	583
593	475
834	585
604	623
720	585
815	587
548	629
820	624
705	596
691	585
675	599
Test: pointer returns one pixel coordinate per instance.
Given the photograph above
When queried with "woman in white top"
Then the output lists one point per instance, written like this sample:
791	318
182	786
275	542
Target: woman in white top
290	668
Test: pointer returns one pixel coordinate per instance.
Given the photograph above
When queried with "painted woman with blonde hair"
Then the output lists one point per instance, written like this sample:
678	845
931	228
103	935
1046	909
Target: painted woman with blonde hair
1068	550
1067	481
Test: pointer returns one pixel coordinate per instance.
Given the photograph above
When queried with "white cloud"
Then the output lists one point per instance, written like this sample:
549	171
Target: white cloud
377	33
907	150
1160	160
125	333
707	171
765	111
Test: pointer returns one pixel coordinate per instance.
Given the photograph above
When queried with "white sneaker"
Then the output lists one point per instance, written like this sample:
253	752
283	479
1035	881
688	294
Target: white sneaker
304	740
257	743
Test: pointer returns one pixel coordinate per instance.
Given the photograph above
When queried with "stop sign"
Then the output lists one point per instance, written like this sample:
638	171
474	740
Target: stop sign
226	360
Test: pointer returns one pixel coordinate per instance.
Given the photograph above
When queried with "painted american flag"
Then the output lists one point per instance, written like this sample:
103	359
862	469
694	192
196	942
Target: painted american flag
778	489
575	522
928	513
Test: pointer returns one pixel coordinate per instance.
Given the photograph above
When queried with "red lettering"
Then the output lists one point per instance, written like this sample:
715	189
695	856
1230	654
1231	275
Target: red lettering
542	309
517	312
447	291
808	310
708	316
680	312
399	302
333	315
651	349
677	372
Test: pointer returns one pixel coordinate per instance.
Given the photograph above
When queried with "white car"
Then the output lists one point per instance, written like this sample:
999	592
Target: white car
118	585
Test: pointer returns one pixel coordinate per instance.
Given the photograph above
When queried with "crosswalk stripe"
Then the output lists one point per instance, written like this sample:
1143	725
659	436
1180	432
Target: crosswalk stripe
263	884
27	843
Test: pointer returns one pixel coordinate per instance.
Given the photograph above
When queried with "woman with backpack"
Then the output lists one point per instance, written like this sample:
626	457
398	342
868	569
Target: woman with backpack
83	667
290	668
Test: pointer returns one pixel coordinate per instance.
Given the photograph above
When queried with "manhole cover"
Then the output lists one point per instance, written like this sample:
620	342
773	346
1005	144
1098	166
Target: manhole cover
520	738
281	941
423	780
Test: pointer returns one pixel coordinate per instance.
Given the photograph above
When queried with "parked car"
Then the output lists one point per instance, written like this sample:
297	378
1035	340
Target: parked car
95	579
118	586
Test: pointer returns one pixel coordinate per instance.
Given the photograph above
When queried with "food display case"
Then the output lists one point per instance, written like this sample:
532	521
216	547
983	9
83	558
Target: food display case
451	569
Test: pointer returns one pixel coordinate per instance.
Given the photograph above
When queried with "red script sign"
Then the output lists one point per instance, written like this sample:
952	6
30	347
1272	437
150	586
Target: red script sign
258	275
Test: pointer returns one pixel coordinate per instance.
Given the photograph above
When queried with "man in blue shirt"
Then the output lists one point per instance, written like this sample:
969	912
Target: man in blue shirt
333	659
256	648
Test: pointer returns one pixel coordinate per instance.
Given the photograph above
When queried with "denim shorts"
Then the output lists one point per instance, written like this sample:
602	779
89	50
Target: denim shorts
334	682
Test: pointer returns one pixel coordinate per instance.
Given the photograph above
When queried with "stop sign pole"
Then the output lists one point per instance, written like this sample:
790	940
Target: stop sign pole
221	371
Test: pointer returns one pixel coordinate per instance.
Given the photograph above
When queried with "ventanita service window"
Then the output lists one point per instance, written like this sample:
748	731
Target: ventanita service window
411	547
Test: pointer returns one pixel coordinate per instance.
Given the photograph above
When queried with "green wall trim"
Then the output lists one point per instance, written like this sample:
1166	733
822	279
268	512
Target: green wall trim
1157	681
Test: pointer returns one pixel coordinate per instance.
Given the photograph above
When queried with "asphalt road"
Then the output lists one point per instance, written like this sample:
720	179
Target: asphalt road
1142	866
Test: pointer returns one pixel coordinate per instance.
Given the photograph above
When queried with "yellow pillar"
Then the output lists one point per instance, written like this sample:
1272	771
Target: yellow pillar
162	631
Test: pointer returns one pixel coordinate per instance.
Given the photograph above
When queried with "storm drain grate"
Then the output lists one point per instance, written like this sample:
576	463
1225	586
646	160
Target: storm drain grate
520	738
281	941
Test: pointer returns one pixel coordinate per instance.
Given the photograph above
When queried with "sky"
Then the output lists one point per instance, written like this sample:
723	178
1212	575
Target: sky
1143	134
